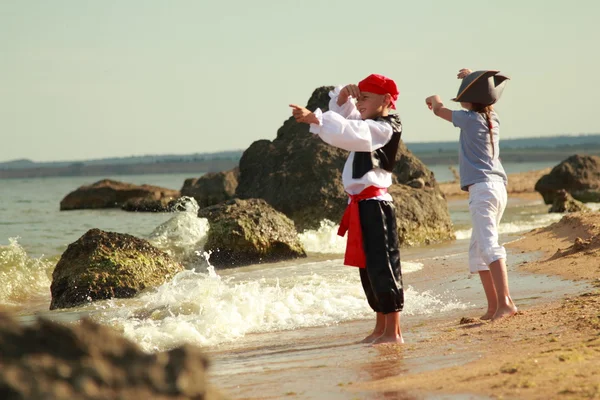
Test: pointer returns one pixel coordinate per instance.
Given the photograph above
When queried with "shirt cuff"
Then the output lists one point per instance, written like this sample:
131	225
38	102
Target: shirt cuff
314	128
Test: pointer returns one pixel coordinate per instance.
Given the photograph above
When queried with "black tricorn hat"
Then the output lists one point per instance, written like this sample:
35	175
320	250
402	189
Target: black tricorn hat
483	87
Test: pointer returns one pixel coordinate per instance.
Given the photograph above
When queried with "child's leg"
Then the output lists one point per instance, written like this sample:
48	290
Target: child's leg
392	332
487	204
380	237
478	265
379	320
506	307
378	330
490	294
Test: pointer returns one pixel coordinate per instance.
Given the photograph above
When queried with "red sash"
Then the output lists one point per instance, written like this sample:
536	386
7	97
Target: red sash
355	252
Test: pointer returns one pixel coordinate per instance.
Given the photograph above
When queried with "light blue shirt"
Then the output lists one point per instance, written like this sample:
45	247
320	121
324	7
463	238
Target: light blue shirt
476	163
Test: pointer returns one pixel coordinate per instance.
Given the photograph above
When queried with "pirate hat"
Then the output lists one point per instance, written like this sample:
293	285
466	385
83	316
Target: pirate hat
483	87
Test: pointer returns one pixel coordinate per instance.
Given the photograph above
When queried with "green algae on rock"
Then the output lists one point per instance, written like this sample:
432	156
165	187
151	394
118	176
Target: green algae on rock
249	231
102	265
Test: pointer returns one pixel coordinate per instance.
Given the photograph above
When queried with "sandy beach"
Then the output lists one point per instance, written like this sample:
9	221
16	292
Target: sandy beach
549	350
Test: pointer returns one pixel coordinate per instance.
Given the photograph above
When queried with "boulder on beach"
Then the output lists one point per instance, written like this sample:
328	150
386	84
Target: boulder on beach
84	361
103	265
578	175
248	232
149	204
422	215
565	203
212	188
113	194
301	176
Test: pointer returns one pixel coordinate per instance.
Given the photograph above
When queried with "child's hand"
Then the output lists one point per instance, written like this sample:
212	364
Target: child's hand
432	100
304	115
347	91
463	72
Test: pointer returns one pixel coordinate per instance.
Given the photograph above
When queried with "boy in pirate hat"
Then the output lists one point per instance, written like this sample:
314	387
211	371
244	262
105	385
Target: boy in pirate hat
359	121
482	175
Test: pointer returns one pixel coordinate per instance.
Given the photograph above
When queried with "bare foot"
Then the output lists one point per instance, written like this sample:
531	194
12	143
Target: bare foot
371	337
389	339
506	311
488	315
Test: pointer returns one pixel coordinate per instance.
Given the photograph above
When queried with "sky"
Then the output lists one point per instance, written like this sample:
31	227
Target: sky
86	79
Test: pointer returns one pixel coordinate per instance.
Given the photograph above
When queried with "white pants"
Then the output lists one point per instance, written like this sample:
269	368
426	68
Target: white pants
487	201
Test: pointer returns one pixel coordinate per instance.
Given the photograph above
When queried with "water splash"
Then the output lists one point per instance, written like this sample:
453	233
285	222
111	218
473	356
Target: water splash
207	309
22	277
323	240
183	235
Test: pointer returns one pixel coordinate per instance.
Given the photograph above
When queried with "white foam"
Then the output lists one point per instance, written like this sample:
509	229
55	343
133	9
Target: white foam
537	221
593	206
410	266
184	234
206	309
21	275
323	240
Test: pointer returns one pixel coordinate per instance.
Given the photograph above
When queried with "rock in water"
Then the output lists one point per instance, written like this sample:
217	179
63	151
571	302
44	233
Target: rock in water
247	232
102	265
88	361
212	188
113	194
565	203
301	176
149	204
578	175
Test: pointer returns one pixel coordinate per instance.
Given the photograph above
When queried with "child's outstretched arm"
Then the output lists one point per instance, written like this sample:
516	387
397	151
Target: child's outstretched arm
435	103
351	135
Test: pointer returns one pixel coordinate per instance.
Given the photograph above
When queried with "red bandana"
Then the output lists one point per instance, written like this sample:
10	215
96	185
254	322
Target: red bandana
380	84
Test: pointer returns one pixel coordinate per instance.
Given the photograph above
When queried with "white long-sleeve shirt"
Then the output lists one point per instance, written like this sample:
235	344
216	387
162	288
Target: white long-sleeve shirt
343	127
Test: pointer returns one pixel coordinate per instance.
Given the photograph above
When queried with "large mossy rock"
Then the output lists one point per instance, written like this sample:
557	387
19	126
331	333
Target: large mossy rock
578	175
248	232
113	194
88	361
416	223
301	176
103	265
212	188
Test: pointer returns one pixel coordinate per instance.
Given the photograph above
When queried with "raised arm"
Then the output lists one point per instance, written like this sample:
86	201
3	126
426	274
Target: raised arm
351	135
341	101
435	104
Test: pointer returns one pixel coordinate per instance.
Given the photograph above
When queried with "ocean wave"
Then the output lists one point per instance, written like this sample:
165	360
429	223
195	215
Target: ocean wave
22	276
537	221
324	239
184	235
206	309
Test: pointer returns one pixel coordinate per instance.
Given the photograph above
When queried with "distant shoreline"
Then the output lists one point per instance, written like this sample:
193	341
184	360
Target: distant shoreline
430	157
193	168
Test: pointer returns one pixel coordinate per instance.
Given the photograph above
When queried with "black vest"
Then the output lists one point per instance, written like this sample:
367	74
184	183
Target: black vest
385	157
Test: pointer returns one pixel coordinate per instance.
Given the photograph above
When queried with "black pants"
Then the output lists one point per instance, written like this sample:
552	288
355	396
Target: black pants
382	277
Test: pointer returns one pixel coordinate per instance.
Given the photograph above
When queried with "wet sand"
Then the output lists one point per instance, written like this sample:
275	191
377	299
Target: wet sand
442	359
550	349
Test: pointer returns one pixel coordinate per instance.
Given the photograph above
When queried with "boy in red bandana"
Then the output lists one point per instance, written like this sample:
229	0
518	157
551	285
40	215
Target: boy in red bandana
359	121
